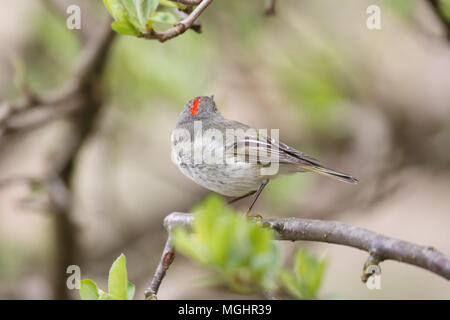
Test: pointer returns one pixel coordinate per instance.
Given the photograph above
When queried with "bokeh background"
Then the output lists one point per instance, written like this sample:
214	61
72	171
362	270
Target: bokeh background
374	103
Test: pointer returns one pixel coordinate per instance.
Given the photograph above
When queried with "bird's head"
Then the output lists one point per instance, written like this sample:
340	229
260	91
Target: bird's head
198	108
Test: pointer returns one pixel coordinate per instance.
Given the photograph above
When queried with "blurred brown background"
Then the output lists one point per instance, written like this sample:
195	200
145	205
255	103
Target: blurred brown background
375	104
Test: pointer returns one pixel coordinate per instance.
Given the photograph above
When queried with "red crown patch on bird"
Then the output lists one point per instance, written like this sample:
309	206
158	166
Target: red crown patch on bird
194	108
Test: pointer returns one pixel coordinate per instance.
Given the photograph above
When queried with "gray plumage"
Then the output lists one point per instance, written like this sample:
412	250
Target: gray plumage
241	175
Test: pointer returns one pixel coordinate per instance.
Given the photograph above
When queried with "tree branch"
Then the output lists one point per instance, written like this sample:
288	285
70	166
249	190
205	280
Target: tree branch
196	26
79	100
34	113
379	247
166	260
179	28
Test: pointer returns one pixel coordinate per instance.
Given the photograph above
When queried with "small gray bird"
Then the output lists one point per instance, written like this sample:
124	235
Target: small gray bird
231	158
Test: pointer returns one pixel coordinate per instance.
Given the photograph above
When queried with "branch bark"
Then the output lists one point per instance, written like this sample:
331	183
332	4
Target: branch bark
166	260
196	26
379	247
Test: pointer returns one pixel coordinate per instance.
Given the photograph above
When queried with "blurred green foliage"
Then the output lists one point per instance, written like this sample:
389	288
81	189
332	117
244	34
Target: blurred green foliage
241	20
136	17
10	261
402	8
145	69
314	84
141	70
445	8
285	190
53	47
145	73
304	280
241	251
119	288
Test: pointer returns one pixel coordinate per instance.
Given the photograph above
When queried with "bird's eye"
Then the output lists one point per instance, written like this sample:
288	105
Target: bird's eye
194	108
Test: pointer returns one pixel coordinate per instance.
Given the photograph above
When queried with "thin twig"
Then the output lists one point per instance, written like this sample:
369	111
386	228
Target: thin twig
180	27
15	118
166	260
196	26
29	112
20	121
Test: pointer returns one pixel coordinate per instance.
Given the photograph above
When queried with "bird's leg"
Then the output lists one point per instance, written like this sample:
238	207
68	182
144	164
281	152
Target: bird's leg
241	197
261	188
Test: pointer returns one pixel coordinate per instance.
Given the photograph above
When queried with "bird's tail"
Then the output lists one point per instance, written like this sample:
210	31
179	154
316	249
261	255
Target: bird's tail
330	173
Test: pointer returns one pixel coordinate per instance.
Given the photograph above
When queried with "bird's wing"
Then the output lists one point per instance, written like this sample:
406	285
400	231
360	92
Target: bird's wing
250	144
293	152
262	150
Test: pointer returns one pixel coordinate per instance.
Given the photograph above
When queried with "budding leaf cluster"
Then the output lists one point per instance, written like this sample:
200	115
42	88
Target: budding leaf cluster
240	251
243	254
136	17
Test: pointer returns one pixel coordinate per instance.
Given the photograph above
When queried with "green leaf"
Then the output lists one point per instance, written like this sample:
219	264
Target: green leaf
106	296
171	4
130	290
132	15
145	9
304	281
164	17
241	252
289	281
125	28
309	270
131	7
116	9
150	7
89	290
140	10
118	279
